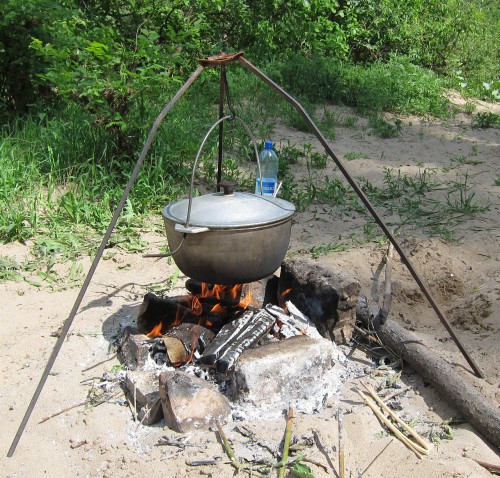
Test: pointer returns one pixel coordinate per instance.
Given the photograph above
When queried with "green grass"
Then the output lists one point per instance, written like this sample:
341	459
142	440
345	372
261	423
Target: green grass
352	155
397	86
61	174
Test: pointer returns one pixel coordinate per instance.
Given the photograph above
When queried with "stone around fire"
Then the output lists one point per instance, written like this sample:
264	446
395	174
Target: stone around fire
327	296
144	395
283	371
190	403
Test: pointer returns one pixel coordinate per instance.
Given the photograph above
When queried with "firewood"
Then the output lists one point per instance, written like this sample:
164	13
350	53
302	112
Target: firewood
182	342
155	310
235	337
176	352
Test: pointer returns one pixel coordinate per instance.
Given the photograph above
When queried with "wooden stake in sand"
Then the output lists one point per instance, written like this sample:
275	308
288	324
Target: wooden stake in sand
340	420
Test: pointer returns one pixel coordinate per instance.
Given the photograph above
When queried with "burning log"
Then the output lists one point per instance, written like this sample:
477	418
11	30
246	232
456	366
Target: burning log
184	340
477	409
235	337
256	294
157	314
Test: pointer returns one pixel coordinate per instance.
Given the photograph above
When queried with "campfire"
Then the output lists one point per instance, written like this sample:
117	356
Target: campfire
216	323
252	341
207	305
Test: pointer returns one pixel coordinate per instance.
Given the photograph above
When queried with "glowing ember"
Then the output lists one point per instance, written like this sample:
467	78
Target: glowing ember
223	301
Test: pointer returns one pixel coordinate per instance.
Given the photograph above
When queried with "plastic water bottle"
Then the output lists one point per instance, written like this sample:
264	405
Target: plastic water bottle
269	169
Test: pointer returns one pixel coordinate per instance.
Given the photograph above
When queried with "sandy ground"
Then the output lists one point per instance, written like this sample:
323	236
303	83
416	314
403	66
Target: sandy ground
104	441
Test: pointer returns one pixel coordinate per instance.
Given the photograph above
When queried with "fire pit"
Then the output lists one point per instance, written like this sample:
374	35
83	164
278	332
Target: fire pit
222	351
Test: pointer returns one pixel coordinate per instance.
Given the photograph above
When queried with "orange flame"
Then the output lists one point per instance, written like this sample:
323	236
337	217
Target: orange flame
286	292
246	301
156	332
217	309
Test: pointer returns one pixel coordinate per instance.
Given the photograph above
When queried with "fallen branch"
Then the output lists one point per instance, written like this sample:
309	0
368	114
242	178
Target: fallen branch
494	469
451	385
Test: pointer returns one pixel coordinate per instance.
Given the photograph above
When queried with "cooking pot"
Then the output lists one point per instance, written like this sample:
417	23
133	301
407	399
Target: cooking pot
232	237
228	237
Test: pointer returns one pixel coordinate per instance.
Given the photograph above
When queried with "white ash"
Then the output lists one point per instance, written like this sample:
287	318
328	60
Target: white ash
330	385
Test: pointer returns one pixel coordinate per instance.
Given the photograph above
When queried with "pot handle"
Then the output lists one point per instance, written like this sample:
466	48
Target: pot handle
220	120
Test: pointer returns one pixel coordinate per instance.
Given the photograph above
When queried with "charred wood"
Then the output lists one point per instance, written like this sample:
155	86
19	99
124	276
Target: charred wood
259	325
235	337
165	311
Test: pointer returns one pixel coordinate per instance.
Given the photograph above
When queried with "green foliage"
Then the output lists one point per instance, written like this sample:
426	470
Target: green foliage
394	86
20	21
486	120
384	129
427	32
112	56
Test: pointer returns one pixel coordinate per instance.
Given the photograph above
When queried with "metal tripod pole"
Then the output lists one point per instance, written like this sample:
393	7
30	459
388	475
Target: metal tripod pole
93	267
368	205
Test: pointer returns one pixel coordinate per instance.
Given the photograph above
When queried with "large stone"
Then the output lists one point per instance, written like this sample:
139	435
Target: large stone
327	296
133	348
283	371
190	403
145	396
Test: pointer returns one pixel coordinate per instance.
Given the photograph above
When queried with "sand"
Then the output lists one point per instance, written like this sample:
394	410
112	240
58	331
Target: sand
105	441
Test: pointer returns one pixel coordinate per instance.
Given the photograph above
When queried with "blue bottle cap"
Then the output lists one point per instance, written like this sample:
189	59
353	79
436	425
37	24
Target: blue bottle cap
268	145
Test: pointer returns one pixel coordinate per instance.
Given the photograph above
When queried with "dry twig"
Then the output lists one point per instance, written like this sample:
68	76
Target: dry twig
93	401
375	459
421	448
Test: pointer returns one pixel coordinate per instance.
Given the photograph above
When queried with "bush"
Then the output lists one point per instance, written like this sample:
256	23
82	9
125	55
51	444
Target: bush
396	86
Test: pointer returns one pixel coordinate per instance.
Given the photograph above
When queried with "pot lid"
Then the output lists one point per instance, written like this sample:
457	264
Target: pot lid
223	211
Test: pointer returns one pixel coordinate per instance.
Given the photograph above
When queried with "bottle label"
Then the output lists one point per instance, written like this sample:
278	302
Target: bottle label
268	186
